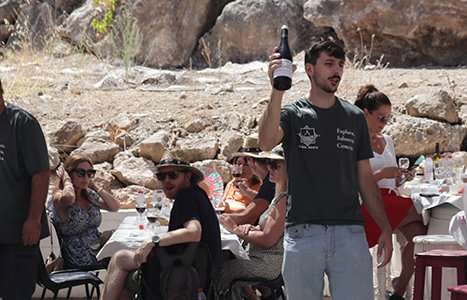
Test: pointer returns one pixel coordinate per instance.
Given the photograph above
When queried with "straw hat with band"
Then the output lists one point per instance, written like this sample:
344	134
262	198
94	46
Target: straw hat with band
250	147
176	158
276	153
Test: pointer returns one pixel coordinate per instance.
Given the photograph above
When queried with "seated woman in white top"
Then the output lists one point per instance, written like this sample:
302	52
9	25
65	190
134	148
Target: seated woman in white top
400	210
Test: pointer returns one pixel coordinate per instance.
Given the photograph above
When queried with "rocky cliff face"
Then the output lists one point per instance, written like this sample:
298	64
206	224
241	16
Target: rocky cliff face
206	32
125	118
406	32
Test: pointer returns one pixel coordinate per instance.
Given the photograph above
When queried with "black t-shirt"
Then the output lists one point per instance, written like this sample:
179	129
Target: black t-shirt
23	152
322	148
193	204
267	190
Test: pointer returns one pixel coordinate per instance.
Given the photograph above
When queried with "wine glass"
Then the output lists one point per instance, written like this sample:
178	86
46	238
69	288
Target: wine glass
158	200
404	163
152	215
140	206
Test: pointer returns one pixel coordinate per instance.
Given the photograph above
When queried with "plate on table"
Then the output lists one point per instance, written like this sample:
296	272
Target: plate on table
213	183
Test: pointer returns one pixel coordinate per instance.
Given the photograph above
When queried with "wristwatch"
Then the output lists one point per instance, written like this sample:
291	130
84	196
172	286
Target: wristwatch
156	239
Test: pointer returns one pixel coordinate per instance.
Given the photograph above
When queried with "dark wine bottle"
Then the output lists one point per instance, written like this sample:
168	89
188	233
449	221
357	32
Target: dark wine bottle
283	74
437	155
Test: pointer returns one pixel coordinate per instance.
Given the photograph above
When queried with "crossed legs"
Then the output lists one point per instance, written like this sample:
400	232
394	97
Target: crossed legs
120	265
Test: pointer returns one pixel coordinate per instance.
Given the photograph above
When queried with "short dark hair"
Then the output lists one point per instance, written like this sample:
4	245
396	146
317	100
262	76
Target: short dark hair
334	47
370	98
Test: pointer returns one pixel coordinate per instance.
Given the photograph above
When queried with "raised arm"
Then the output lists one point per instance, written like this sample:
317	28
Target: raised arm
106	200
66	196
371	197
270	133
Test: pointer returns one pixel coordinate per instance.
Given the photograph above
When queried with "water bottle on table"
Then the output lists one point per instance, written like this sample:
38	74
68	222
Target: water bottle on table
429	166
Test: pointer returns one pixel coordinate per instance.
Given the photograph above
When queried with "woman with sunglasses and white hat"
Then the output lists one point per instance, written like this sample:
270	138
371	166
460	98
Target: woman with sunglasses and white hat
400	211
75	211
265	239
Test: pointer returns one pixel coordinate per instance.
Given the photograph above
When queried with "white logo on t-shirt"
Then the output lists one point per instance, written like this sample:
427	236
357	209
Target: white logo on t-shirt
308	138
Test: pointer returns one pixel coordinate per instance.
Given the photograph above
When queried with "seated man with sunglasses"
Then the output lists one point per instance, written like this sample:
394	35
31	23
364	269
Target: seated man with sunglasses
75	211
192	219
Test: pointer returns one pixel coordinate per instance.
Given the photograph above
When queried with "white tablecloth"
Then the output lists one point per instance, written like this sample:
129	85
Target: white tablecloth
458	228
423	203
129	236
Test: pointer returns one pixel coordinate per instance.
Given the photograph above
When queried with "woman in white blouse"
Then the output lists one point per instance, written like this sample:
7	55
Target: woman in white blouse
401	213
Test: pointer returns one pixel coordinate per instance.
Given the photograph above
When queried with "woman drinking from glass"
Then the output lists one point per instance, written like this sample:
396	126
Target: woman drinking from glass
242	188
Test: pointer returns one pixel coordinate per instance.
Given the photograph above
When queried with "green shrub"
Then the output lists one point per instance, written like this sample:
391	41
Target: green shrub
106	10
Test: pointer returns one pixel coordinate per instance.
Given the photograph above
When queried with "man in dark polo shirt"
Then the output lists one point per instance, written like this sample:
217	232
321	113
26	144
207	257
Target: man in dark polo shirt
24	180
192	219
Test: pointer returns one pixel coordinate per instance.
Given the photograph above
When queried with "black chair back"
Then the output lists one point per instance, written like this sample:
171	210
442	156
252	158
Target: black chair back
163	257
65	279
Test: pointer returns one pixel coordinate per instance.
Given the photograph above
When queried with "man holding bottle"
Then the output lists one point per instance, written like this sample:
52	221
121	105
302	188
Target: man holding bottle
327	151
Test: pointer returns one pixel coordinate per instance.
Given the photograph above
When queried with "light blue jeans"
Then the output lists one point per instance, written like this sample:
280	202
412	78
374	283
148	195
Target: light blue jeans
340	251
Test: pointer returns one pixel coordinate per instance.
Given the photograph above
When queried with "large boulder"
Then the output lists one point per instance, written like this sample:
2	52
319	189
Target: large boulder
135	170
66	137
407	32
77	27
241	34
416	136
179	25
98	149
436	105
199	149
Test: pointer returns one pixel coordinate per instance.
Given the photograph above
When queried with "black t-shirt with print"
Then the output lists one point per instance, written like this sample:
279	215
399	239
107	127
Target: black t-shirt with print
322	148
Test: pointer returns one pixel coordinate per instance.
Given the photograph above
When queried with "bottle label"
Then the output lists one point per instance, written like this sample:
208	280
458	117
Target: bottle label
285	69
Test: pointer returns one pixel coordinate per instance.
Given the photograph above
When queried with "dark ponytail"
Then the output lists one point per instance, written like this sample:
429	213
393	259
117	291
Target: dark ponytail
370	98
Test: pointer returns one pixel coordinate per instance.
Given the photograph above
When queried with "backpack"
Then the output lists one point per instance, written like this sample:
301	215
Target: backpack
171	273
179	282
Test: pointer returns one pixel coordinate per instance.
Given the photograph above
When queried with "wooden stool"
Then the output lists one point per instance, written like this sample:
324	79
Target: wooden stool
438	259
458	292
